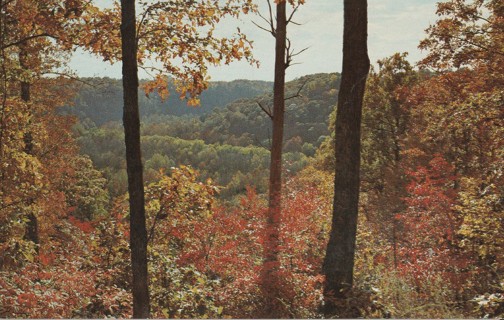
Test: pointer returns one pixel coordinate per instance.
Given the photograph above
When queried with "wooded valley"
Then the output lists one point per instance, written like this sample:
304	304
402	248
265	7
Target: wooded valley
180	197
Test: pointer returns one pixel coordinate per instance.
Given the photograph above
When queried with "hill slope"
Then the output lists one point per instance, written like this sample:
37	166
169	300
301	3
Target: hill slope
102	101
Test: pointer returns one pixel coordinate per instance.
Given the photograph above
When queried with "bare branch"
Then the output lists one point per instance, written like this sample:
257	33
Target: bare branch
293	54
270	12
273	33
288	45
290	54
72	77
298	93
294	64
268	112
288	58
269	21
150	69
289	20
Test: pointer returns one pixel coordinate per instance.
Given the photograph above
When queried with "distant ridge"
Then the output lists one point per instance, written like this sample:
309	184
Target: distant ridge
102	101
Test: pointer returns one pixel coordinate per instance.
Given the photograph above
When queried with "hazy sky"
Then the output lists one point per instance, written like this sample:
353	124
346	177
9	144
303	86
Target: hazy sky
394	26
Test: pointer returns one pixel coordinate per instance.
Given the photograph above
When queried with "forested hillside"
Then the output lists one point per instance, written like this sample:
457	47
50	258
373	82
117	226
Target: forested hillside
100	99
231	167
386	183
228	144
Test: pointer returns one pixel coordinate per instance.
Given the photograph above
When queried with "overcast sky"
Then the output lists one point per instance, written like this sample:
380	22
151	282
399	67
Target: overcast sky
394	26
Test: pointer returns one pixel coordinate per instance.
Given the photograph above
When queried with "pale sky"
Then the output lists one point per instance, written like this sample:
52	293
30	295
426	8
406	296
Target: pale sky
394	26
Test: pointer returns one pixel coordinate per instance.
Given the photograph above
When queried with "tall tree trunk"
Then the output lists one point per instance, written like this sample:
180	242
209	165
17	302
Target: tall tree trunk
339	259
31	232
131	121
270	279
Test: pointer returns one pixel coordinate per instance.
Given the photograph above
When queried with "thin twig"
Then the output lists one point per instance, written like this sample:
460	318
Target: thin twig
289	20
270	21
263	28
299	52
72	77
270	11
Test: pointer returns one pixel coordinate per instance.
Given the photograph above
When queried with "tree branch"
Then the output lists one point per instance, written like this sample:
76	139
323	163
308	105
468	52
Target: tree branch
72	77
21	41
470	43
270	12
293	54
298	93
290	54
268	112
273	33
289	20
270	21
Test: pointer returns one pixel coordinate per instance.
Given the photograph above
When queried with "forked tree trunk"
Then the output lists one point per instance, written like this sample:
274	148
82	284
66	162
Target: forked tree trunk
131	121
270	280
339	259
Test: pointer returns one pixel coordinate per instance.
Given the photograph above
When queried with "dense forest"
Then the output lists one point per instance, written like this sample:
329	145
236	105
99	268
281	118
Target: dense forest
222	236
228	143
99	100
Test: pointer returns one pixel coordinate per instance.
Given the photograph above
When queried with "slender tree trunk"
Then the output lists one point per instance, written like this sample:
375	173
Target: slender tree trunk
131	121
339	259
394	241
31	232
270	279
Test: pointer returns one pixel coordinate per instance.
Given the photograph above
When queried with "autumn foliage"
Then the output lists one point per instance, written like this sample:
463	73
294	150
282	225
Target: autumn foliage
431	211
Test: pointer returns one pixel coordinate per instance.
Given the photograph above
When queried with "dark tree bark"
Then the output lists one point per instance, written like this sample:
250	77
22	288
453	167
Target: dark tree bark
31	231
339	259
25	93
270	280
131	121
